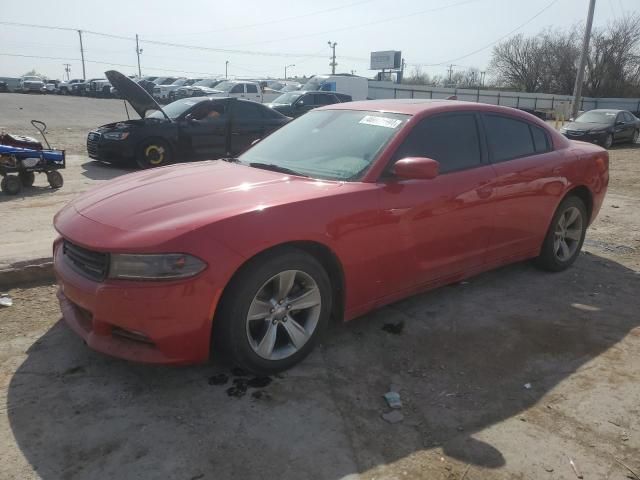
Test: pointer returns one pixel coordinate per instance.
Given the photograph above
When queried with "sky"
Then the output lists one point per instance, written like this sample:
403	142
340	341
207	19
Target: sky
259	38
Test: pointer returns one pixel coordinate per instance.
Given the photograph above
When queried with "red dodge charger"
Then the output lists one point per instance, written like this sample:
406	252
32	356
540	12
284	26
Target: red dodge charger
346	209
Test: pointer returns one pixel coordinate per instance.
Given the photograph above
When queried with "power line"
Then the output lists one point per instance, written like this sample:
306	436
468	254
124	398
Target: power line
360	25
270	22
451	60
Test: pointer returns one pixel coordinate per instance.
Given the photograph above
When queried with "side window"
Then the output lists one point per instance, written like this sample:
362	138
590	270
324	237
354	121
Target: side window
325	99
450	139
251	88
239	88
305	100
628	117
508	138
540	140
247	111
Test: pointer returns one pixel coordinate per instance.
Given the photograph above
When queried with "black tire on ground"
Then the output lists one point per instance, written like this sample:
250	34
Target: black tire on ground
634	138
608	141
55	179
551	254
27	178
231	331
11	185
153	153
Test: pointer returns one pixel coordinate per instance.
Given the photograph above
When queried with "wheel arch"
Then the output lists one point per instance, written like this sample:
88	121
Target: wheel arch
584	194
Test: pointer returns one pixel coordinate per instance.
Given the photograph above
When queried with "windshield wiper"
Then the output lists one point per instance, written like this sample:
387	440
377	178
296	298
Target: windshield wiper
230	159
276	168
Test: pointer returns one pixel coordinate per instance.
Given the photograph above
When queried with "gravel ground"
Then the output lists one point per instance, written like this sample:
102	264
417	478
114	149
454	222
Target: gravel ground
509	376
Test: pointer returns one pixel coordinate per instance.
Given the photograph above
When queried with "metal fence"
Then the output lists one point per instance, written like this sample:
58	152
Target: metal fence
526	101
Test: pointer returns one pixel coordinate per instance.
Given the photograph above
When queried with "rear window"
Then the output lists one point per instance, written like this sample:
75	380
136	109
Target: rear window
508	138
540	140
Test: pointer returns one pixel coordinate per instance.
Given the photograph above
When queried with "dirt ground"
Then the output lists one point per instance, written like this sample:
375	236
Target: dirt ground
512	375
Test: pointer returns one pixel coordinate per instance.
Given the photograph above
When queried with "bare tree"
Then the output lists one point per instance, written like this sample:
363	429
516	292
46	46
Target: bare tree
518	63
417	77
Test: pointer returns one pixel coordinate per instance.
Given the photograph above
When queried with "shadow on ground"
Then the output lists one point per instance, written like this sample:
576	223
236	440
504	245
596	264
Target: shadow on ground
102	171
461	362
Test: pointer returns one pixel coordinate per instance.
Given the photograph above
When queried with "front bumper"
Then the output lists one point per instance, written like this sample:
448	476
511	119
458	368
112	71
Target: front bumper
598	138
113	151
149	322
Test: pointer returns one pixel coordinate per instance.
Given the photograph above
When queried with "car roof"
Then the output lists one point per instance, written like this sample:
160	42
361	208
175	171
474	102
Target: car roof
606	110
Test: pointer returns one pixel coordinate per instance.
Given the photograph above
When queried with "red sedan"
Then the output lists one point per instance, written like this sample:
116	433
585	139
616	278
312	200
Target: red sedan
346	209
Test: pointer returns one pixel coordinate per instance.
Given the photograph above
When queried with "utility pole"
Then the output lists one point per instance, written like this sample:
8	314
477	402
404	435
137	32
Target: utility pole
482	78
577	89
67	70
450	73
285	70
138	52
226	68
400	76
84	73
333	63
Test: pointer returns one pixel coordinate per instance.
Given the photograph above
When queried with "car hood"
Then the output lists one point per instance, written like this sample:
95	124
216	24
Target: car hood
184	197
586	127
133	93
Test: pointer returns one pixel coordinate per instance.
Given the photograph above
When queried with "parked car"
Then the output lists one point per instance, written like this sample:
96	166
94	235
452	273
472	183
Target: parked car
64	88
353	85
31	84
83	88
604	127
294	104
51	86
198	89
347	208
99	88
3	86
164	93
238	89
187	129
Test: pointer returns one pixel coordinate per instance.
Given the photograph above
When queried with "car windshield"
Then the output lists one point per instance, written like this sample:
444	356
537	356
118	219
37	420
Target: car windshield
287	98
180	82
596	117
290	88
225	86
175	109
328	144
33	79
206	83
191	81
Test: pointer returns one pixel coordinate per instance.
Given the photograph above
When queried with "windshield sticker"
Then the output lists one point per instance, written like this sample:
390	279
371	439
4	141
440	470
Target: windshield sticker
610	114
380	121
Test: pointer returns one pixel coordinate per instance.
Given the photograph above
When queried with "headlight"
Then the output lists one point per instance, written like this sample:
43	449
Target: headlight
563	130
116	135
168	266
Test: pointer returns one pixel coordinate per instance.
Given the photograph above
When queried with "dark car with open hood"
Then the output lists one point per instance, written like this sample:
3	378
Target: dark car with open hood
604	127
187	129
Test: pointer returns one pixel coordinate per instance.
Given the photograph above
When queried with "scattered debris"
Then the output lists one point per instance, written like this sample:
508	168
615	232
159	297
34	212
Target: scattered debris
5	300
259	382
237	390
394	416
220	379
261	395
393	399
548	468
625	436
395	328
460	428
239	372
527	386
575	468
627	467
466	470
197	477
522	418
615	206
72	370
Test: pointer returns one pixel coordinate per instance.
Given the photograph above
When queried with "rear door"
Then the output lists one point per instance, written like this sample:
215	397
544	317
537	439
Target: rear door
525	190
441	226
247	125
237	91
253	92
303	104
629	125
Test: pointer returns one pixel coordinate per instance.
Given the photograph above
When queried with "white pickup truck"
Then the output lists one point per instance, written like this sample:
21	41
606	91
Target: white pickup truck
242	89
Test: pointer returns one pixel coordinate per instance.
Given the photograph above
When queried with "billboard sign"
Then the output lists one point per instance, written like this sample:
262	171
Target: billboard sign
389	59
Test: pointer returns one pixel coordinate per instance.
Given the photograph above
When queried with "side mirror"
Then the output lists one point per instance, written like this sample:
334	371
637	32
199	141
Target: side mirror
416	168
300	104
189	118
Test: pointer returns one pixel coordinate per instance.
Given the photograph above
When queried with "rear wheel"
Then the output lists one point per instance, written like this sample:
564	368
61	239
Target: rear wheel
566	234
153	153
27	178
11	185
273	312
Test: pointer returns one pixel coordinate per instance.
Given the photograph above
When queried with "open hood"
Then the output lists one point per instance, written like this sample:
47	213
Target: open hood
137	96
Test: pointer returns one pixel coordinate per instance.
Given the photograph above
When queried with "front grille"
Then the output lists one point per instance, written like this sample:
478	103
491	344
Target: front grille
92	144
575	133
93	265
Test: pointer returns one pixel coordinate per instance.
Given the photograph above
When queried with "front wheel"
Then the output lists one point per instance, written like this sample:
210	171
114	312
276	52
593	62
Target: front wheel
27	178
566	234
273	312
55	179
608	141
634	138
153	153
11	185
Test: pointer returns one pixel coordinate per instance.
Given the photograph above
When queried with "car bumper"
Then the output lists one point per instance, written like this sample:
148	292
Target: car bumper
598	138
112	151
149	322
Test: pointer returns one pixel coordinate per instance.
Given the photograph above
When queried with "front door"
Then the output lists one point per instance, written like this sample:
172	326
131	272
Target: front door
247	125
207	130
443	225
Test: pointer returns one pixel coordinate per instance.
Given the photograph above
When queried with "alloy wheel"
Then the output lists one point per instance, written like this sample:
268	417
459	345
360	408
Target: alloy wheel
283	315
567	234
608	142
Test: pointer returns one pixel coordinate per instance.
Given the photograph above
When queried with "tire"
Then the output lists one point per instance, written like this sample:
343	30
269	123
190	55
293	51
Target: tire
153	153
608	141
27	178
55	179
565	228
244	342
634	138
11	185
